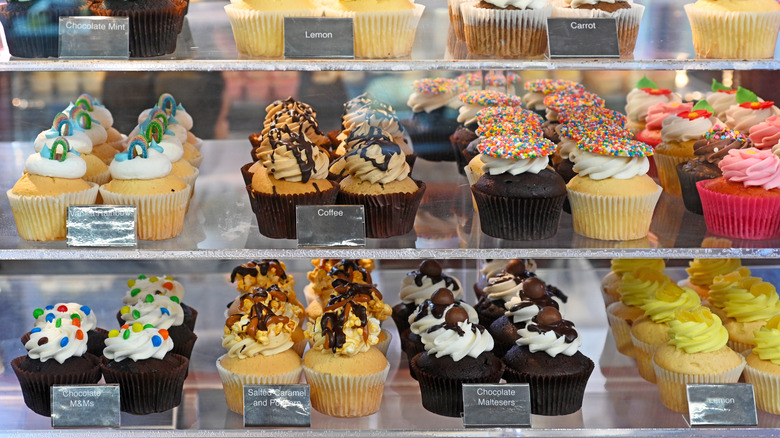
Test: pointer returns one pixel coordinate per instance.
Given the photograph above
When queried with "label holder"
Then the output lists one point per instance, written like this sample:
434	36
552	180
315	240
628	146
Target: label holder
330	226
723	404
94	37
583	38
319	37
101	225
85	406
277	406
496	405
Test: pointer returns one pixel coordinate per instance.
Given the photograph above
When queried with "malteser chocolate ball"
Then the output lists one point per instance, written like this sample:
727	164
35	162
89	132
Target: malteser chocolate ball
548	316
456	315
443	297
515	267
430	268
534	288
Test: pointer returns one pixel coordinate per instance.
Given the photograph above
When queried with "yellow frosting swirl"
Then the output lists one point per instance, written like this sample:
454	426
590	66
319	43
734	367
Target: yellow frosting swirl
697	331
661	307
273	5
701	272
637	286
767	341
722	285
758	303
621	266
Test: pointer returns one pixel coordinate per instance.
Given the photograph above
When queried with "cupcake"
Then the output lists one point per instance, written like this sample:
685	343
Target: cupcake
702	273
492	268
178	121
611	282
475	101
738	280
258	27
651	330
679	132
102	115
743	202
143	285
626	14
32	27
763	366
141	177
383	29
52	182
263	273
456	19
162	312
259	345
434	116
321	287
95	131
547	357
150	376
154	24
766	135
418	286
346	375
518	197
641	98
749	111
379	180
56	355
172	148
537	90
507	29
721	98
708	152
87	323
735	30
696	353
656	114
294	174
612	198
456	352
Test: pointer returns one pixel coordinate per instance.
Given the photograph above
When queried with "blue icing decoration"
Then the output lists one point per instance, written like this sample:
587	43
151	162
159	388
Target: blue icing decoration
35	330
46	152
50	317
49	307
164	311
155	146
122	156
168	131
64	341
156	340
86	310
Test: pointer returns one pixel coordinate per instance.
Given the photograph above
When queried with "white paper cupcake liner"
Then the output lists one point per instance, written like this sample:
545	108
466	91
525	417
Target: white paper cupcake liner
346	396
627	20
159	217
196	161
300	346
667	172
643	353
766	388
233	384
739	347
621	331
261	33
735	35
612	217
671	385
384	345
505	33
100	178
382	34
44	218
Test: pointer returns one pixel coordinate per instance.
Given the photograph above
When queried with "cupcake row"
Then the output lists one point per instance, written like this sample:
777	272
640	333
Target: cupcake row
83	160
717	325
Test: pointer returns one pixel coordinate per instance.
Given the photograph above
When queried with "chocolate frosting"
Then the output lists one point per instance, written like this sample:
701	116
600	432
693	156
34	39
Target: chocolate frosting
714	145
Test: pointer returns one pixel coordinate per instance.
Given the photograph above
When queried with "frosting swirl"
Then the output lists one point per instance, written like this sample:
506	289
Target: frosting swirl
297	160
637	286
757	302
420	285
261	331
661	306
60	340
740	118
598	166
379	162
752	167
498	166
50	313
723	285
158	310
766	134
57	161
639	101
658	112
702	272
137	342
679	129
147	164
156	285
697	331
550	333
767	341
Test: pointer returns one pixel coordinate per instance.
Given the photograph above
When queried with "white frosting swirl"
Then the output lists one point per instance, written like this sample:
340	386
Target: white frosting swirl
424	324
101	114
172	148
597	166
577	3
534	100
162	312
503	288
78	141
66	310
184	119
498	166
548	342
525	314
61	343
639	102
520	4
720	102
429	101
73	167
447	342
467	113
240	345
139	288
156	165
138	345
492	268
97	134
410	292
566	147
675	128
742	119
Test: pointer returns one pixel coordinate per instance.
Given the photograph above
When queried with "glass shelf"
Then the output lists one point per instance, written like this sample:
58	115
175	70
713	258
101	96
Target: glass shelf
618	403
221	225
207	44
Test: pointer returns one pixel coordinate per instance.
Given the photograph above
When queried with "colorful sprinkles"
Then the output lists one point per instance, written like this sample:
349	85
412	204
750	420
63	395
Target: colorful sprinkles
470	79
438	86
495	79
547	86
571	98
507	114
517	147
592	115
605	144
489	98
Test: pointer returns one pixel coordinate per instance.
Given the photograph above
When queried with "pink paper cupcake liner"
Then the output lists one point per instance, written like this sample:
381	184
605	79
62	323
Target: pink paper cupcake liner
740	217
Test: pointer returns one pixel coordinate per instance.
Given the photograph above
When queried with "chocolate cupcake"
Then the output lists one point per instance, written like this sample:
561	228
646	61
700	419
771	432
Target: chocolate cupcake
492	268
419	286
547	358
162	312
154	24
434	117
709	151
87	322
32	27
143	285
460	141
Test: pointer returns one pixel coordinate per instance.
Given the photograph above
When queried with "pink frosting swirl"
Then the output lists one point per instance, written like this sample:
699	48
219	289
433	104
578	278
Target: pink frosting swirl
752	167
661	110
766	134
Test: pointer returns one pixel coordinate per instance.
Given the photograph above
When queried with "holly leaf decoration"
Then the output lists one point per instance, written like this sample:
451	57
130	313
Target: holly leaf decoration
717	86
744	96
703	105
646	83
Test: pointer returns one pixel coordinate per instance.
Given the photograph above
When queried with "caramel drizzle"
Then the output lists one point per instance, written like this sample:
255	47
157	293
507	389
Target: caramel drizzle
348	291
260	317
332	324
344	268
254	267
260	294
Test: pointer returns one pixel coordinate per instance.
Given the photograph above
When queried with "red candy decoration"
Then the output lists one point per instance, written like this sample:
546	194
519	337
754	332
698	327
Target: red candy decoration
79	335
168	285
693	115
62	308
656	91
757	105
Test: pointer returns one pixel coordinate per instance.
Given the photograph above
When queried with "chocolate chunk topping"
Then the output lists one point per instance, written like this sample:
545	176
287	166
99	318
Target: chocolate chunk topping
456	315
43	340
515	267
548	316
430	268
442	297
534	288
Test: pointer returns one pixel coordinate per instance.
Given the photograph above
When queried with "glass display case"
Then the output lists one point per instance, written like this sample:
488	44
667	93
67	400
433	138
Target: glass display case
220	230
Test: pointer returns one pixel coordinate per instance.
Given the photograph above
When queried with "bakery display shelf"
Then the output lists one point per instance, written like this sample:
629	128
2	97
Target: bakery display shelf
618	403
221	225
207	44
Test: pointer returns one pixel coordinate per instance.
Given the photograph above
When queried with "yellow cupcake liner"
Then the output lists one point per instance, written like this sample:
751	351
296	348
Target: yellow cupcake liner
384	345
388	34
733	35
158	217
346	396
627	20
621	331
643	353
233	384
43	218
667	172
671	385
612	217
504	32
766	388
261	33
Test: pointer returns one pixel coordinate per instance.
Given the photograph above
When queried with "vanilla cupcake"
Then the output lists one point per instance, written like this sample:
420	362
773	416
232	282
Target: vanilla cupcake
102	115
78	140
95	131
52	182
763	366
141	177
153	129
749	111
641	98
258	25
737	29
626	13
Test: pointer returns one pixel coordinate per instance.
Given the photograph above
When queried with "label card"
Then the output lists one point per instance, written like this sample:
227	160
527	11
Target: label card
95	37
330	225
101	225
85	405
583	38
725	404
494	405
318	37
277	406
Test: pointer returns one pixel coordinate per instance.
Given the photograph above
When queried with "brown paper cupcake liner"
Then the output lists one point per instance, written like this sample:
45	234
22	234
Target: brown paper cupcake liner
246	174
386	215
690	195
276	213
25	35
456	19
43	218
444	396
36	387
411	349
190	316
518	218
152	32
553	395
142	394
185	348
505	33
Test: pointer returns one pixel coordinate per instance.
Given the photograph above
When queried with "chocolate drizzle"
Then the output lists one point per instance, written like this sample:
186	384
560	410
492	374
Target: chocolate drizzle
561	327
260	317
387	149
300	147
435	274
260	294
332	323
351	292
262	267
344	269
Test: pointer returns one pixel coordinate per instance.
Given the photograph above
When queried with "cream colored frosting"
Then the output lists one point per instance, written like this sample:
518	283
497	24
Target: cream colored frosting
283	163
720	102
78	141
738	5
742	119
57	340
681	129
577	3
266	342
639	101
359	164
597	166
498	166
